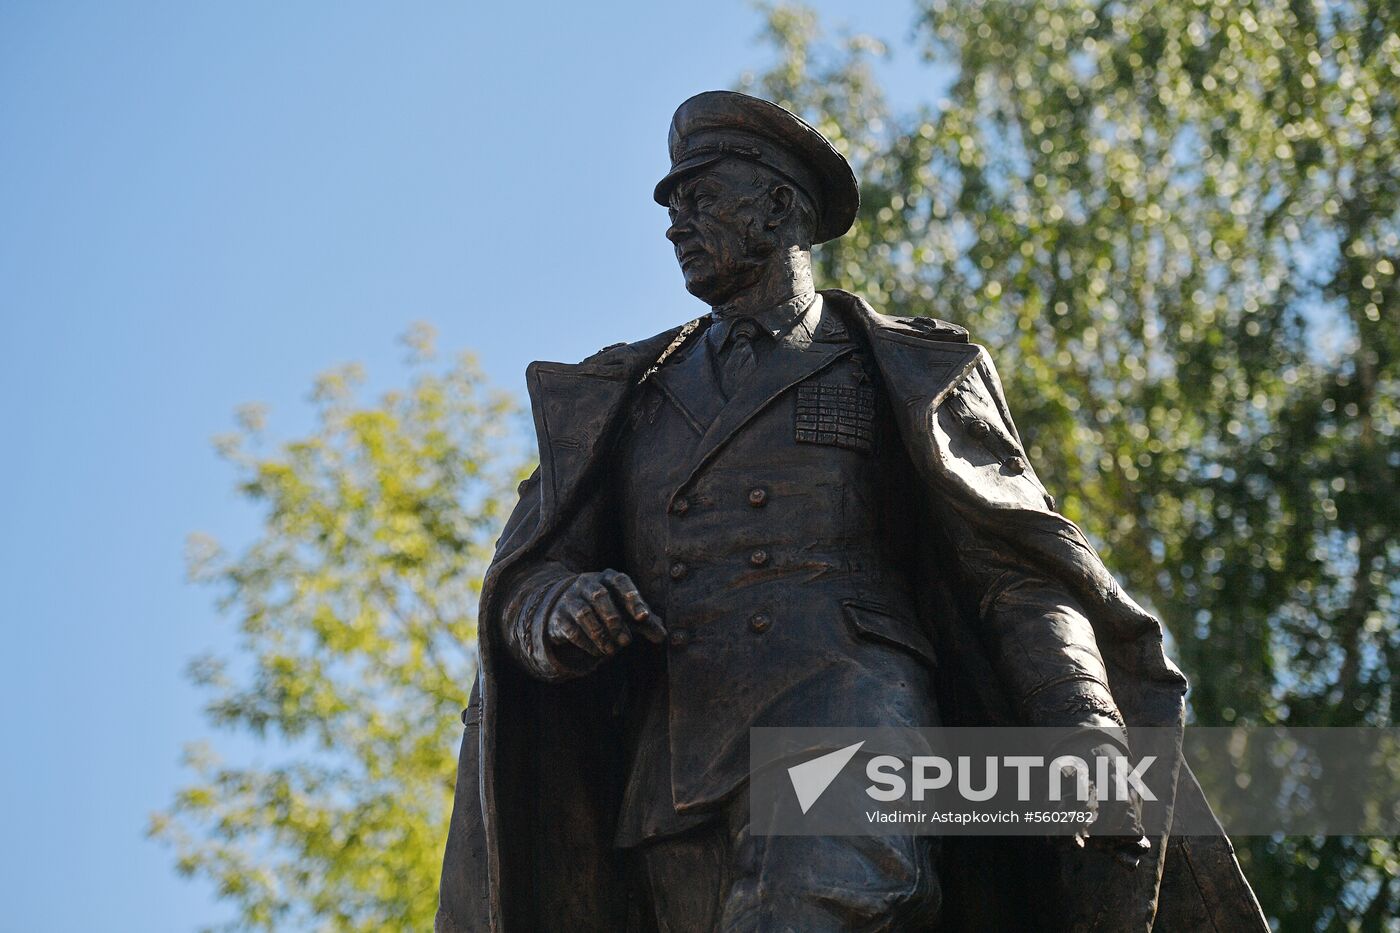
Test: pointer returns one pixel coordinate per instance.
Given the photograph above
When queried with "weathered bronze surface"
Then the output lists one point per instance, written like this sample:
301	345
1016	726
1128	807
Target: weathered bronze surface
794	511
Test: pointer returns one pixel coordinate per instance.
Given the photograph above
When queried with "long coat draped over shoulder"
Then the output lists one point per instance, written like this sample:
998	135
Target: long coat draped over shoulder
539	777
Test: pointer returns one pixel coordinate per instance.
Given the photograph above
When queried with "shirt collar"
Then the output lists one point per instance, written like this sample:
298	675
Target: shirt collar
795	318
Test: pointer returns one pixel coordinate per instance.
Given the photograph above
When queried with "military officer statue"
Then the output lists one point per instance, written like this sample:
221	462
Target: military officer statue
794	511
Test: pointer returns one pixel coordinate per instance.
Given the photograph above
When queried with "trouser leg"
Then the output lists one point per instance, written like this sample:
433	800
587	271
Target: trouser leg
685	878
725	877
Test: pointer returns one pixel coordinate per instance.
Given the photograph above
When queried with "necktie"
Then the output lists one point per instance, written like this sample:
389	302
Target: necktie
737	359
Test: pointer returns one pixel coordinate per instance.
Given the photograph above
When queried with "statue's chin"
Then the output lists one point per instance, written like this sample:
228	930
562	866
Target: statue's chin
709	289
716	288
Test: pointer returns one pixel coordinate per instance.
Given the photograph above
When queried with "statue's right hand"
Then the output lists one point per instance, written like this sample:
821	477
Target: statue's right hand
598	613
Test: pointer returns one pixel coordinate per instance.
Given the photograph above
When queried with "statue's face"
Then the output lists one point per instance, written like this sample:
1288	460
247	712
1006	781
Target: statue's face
718	229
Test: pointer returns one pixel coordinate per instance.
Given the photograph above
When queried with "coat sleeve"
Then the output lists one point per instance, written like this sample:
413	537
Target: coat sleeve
1038	634
533	587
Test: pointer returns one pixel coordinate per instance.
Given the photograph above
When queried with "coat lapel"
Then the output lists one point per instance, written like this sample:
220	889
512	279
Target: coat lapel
691	385
768	380
575	407
573	404
918	371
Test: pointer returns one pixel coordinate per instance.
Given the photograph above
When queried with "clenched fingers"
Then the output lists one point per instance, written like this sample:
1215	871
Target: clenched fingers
600	598
576	609
563	629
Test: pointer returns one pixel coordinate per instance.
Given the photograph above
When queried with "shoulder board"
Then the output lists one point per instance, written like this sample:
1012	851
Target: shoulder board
642	352
927	327
601	354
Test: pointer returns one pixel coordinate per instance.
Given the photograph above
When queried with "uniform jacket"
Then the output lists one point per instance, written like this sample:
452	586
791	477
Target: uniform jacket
541	769
770	530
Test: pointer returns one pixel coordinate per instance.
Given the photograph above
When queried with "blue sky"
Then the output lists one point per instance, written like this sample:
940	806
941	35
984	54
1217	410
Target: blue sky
206	204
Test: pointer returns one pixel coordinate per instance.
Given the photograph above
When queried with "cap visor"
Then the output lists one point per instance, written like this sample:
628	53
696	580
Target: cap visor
680	170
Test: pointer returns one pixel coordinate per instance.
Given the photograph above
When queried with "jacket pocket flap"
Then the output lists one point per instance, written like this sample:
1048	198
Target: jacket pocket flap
879	624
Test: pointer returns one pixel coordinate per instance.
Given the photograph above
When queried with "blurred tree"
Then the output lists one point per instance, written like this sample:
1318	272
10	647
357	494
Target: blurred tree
356	610
1177	225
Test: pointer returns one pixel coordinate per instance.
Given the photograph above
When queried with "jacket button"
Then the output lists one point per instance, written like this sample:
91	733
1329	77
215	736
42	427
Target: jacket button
681	506
758	496
678	570
979	429
680	637
758	558
1015	465
761	622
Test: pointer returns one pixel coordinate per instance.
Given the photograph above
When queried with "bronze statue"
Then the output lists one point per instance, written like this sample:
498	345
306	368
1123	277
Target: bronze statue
792	511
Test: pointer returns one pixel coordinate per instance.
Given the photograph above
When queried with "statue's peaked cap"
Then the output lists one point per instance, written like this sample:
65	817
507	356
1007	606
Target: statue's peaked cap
717	125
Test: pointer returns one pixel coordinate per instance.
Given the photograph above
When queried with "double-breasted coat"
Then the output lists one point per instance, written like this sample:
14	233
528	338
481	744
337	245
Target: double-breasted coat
542	767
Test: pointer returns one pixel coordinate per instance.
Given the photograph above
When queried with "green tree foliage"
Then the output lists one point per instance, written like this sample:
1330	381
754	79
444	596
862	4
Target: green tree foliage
1177	224
355	609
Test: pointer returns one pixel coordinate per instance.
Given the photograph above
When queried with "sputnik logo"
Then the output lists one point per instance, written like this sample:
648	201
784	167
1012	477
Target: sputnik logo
811	778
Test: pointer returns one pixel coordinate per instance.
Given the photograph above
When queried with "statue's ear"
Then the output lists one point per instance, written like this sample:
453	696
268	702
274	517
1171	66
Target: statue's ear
781	201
